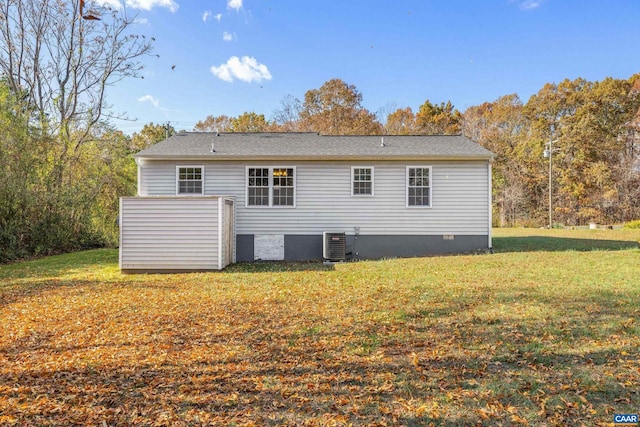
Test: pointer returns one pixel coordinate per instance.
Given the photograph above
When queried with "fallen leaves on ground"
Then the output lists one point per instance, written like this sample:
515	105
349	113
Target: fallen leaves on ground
399	342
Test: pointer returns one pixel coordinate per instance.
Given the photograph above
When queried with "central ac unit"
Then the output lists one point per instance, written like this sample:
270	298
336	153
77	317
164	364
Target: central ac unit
334	246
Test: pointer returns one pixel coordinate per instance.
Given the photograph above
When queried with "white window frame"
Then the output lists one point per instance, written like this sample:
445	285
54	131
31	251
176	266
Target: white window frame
271	186
178	167
246	186
430	187
353	170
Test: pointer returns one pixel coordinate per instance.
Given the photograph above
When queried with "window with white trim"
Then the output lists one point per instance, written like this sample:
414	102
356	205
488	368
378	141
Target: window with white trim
361	181
419	186
258	187
189	180
271	186
282	186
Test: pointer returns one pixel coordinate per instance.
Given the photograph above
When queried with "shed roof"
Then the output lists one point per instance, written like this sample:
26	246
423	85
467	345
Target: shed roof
311	146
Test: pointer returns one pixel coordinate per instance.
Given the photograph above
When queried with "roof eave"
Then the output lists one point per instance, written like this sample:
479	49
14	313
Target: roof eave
214	157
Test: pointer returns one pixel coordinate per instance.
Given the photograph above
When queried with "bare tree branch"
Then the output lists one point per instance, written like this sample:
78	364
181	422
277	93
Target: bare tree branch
63	64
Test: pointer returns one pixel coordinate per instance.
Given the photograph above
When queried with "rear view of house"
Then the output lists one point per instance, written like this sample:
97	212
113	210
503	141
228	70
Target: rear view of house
303	196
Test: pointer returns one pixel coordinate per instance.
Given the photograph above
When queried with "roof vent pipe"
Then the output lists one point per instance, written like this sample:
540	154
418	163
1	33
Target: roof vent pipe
382	142
213	149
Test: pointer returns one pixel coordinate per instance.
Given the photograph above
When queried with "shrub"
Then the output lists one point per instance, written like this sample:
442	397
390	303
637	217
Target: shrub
633	224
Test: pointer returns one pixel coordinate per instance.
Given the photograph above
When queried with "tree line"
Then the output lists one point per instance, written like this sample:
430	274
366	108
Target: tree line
63	166
41	216
594	128
335	108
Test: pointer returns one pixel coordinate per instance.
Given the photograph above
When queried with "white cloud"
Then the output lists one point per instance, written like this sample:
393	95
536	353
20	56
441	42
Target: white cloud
530	4
150	4
141	21
234	4
246	69
140	4
148	98
218	17
227	36
113	4
206	16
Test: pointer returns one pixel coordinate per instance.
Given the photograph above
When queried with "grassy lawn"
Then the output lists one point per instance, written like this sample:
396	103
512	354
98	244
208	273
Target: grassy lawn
545	331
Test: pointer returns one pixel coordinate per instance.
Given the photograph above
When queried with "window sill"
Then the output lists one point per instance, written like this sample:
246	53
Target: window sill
268	207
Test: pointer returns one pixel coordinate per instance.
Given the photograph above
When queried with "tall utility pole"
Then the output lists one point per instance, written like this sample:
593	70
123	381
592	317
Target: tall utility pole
550	183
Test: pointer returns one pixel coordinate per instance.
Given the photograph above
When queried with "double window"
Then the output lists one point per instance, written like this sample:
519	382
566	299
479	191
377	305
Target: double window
361	181
190	180
419	186
271	186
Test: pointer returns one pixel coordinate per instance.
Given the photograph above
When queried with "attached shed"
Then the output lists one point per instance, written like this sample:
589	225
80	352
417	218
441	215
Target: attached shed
173	234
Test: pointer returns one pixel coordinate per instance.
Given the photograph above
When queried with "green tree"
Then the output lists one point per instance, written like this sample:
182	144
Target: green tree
249	122
150	134
36	221
22	158
433	119
56	70
111	173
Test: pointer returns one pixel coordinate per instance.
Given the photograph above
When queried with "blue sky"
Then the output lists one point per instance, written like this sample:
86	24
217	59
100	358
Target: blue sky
232	56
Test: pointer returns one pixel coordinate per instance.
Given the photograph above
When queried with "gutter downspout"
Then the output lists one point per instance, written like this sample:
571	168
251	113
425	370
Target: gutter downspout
139	176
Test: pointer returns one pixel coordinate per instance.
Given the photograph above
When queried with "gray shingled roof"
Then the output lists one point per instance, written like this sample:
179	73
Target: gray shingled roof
295	146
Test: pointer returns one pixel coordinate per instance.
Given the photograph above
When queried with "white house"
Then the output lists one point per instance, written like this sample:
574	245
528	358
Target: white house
206	199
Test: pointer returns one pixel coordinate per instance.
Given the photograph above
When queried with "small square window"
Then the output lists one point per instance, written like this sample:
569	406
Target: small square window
190	180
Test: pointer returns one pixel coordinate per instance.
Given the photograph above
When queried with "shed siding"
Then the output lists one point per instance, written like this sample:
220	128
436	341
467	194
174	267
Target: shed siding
460	202
166	233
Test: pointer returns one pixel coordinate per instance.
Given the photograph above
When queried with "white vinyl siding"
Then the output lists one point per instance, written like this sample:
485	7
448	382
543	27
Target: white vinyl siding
172	233
459	197
362	181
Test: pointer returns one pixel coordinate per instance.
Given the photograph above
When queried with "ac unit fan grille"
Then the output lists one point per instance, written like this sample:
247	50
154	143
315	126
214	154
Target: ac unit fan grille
335	246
